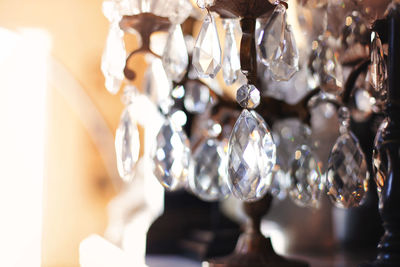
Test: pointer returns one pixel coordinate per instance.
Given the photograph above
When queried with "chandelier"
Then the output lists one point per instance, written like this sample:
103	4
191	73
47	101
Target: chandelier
248	132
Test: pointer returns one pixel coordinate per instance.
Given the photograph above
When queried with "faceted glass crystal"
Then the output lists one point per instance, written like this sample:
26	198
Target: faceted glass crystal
248	96
231	61
127	145
197	97
207	178
207	50
172	156
286	59
279	182
377	68
305	178
347	176
325	69
113	59
175	58
251	157
271	37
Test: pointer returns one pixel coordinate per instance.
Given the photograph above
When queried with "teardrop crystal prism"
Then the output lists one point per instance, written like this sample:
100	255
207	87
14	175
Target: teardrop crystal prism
377	68
175	57
305	178
113	59
127	144
207	178
347	176
286	59
251	156
272	35
172	156
325	70
279	182
197	97
207	50
231	61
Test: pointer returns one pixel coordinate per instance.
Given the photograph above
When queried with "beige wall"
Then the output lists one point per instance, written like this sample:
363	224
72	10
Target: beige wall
77	186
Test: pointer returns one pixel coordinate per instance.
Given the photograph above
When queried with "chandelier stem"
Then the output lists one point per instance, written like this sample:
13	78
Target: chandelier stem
387	147
248	54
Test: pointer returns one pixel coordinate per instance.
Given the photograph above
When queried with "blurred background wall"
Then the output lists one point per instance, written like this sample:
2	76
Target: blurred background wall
81	118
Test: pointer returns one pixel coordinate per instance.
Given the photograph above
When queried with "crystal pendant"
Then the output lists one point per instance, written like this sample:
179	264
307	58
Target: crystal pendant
175	58
277	47
251	157
347	176
325	69
207	178
127	144
231	61
279	182
305	178
286	61
197	97
207	50
172	156
377	68
113	59
272	35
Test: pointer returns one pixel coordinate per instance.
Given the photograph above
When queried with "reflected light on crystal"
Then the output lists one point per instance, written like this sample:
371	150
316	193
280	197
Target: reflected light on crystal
160	154
179	118
349	20
217	129
178	92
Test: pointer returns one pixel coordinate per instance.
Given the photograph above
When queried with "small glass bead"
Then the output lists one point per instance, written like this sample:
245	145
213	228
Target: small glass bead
248	96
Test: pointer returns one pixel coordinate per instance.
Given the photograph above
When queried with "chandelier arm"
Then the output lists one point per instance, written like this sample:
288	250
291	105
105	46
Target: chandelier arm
351	80
128	72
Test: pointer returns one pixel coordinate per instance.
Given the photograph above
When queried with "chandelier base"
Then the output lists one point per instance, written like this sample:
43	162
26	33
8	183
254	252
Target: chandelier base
252	248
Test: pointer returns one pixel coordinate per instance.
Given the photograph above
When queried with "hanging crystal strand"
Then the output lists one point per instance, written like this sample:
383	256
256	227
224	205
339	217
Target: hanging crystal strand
305	175
207	176
172	153
377	68
347	176
251	149
114	55
172	156
206	57
127	142
175	57
277	46
231	61
325	70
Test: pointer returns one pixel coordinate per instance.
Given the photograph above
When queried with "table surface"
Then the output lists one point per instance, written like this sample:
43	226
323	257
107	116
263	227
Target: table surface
339	260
